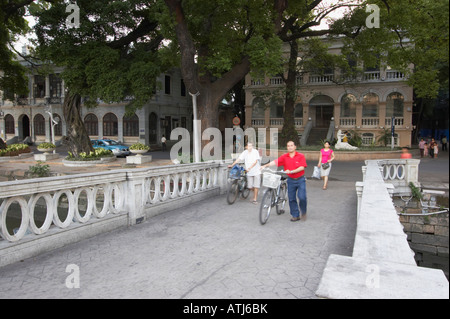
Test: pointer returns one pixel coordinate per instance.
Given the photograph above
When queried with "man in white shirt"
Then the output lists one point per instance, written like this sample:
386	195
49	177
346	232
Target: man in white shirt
252	162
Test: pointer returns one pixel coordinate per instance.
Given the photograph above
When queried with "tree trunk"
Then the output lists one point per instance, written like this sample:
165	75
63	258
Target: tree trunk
211	90
288	132
77	137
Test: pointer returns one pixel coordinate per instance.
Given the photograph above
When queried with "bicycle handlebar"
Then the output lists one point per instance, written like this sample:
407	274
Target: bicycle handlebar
272	171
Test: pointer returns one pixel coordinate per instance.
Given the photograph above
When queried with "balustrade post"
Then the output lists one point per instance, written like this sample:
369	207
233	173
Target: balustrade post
412	171
133	201
222	178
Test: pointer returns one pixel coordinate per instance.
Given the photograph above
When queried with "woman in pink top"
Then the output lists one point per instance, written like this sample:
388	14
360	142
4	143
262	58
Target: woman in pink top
326	156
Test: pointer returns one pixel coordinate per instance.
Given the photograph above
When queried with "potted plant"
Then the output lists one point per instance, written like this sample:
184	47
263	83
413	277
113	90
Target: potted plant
46	147
139	149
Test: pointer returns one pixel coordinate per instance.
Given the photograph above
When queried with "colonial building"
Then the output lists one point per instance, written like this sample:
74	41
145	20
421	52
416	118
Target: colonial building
366	105
29	116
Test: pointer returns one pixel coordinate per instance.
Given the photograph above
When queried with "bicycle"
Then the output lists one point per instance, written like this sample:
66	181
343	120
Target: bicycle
275	195
238	184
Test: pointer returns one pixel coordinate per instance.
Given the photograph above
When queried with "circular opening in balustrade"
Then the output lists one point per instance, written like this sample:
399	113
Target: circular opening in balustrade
101	201
83	205
14	218
63	208
41	213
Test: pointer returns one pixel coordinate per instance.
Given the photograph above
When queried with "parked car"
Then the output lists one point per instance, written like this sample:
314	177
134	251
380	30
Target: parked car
114	146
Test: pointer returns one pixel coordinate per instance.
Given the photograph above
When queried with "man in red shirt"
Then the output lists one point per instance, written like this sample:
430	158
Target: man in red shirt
294	164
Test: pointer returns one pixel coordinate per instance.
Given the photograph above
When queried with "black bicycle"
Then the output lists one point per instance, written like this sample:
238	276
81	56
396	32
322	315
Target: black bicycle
275	195
238	184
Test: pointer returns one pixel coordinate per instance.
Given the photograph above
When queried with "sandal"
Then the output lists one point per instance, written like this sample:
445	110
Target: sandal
254	202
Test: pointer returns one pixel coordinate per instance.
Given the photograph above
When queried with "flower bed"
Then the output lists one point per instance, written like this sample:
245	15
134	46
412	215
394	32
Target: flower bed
15	150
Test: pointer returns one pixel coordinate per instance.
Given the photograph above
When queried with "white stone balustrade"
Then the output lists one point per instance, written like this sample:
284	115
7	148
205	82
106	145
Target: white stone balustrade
382	264
399	173
103	200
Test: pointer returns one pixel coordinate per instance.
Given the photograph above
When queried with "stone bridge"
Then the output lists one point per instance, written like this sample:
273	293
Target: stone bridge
167	232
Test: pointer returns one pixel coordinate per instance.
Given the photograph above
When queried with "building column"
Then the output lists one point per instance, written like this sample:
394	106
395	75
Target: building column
120	128
100	127
48	130
337	114
382	114
248	115
47	86
359	114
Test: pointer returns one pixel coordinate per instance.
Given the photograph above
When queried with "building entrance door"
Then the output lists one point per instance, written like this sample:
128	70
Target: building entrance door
324	113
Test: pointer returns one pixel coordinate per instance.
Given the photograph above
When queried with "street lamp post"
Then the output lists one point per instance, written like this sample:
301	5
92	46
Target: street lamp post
52	126
195	128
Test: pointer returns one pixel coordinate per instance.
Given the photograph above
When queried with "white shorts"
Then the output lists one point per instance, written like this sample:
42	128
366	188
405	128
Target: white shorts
325	172
254	181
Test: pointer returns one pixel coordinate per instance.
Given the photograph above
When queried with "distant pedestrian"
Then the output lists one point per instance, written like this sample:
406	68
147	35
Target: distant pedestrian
436	149
425	149
325	158
163	143
444	143
431	150
421	147
405	153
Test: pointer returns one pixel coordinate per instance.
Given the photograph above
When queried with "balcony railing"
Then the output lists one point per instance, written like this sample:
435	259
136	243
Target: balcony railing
258	122
347	121
398	121
276	122
370	121
395	75
326	78
276	81
372	76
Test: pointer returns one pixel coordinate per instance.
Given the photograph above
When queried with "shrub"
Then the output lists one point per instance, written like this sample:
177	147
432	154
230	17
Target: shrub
15	149
96	155
39	170
139	146
46	145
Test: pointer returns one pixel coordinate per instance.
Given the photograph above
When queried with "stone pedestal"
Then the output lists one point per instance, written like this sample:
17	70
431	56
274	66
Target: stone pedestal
139	159
45	157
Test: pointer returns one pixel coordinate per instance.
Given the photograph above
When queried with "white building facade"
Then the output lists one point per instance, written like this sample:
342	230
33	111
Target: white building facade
29	116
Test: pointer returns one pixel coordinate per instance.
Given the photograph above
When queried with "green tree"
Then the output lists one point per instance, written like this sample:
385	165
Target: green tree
12	25
113	55
220	42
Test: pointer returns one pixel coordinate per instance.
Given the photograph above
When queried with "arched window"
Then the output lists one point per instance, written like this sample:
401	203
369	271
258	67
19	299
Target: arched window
131	125
348	105
39	124
276	109
110	125
91	124
9	124
258	108
394	105
298	112
370	105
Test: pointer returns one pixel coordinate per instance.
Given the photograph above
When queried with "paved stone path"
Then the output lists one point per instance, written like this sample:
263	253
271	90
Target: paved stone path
206	250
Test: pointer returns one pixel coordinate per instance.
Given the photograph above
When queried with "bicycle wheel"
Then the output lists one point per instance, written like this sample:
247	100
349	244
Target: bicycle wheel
266	206
281	203
245	192
233	192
